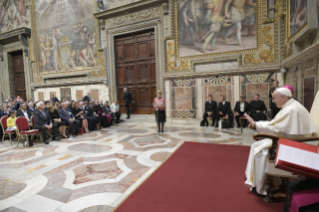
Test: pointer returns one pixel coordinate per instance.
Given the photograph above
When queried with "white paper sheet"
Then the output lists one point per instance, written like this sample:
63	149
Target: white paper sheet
298	156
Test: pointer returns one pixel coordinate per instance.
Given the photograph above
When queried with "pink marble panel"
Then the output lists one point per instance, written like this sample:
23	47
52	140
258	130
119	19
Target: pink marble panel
94	148
92	172
18	155
217	91
9	187
261	89
183	98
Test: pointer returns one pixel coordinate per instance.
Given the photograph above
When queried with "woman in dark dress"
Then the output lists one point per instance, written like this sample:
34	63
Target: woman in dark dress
78	114
258	109
160	115
57	120
92	113
99	111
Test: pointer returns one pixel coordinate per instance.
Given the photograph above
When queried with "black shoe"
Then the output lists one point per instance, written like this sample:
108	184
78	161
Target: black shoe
253	190
46	141
55	139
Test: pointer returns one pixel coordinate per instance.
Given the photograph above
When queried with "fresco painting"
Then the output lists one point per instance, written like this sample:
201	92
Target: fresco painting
109	4
66	37
213	26
298	15
14	14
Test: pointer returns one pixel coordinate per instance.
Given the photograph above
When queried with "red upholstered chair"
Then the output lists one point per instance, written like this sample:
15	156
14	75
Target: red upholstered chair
4	128
24	130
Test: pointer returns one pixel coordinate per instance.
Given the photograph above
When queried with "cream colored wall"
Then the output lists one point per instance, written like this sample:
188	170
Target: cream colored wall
103	91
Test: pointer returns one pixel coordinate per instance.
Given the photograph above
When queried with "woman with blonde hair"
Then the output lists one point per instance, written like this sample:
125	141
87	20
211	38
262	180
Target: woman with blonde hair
160	115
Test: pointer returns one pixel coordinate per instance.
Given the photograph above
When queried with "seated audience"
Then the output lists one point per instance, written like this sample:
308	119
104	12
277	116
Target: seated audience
43	122
115	111
56	120
25	112
58	105
210	110
31	106
92	113
99	111
258	110
69	119
107	111
78	114
1	110
241	108
91	119
224	110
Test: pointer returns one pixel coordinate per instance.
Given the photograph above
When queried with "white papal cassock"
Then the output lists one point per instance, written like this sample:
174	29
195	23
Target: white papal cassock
292	121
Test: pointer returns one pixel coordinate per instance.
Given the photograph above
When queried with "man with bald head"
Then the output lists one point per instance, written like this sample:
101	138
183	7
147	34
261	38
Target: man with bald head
293	121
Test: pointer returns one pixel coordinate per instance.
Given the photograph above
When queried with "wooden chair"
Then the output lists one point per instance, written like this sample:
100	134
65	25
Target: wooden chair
241	121
24	130
4	128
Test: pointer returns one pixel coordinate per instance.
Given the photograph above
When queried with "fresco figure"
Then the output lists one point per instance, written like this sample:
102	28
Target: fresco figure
215	21
250	16
42	52
48	53
298	15
234	10
54	48
192	14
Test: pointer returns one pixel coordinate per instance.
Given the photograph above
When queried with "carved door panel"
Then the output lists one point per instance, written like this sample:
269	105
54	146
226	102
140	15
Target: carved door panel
19	77
135	60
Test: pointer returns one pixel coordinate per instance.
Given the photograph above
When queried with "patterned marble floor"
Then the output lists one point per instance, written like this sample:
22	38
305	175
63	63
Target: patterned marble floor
96	171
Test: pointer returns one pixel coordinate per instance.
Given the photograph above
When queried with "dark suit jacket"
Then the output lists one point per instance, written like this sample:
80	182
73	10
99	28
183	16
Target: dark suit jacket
212	107
246	107
20	113
54	99
127	98
106	109
225	109
86	98
40	119
65	115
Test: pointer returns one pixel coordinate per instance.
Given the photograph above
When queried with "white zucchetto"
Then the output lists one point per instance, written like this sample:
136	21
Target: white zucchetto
284	91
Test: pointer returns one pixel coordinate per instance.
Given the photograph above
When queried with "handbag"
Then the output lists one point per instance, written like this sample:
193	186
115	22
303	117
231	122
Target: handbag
81	131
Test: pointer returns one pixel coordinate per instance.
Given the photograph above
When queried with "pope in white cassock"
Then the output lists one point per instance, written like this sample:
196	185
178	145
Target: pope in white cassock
293	121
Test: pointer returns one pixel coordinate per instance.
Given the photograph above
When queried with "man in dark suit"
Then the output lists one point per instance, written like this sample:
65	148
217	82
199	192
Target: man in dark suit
210	110
43	122
224	110
274	108
87	98
69	119
24	112
54	99
127	102
242	107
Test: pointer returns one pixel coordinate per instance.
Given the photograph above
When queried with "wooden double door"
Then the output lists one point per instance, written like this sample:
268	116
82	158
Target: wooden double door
135	61
19	76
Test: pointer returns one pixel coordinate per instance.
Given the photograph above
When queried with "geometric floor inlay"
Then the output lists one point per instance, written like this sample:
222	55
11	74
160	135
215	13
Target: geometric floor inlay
100	171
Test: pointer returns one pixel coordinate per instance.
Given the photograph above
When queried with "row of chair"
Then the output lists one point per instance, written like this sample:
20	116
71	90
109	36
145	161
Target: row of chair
23	129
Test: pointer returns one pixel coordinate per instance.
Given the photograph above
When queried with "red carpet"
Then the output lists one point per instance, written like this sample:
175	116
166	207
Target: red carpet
199	177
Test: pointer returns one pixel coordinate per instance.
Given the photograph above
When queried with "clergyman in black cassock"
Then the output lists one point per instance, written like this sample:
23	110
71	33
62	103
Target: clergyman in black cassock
210	110
258	109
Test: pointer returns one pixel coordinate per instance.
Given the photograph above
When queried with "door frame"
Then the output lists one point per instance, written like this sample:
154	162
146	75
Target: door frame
4	81
111	58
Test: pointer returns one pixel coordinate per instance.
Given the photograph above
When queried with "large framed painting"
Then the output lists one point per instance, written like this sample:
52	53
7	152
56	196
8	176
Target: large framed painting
216	26
298	16
66	37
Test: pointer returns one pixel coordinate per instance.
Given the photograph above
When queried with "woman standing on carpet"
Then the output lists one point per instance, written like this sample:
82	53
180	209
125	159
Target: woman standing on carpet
159	105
